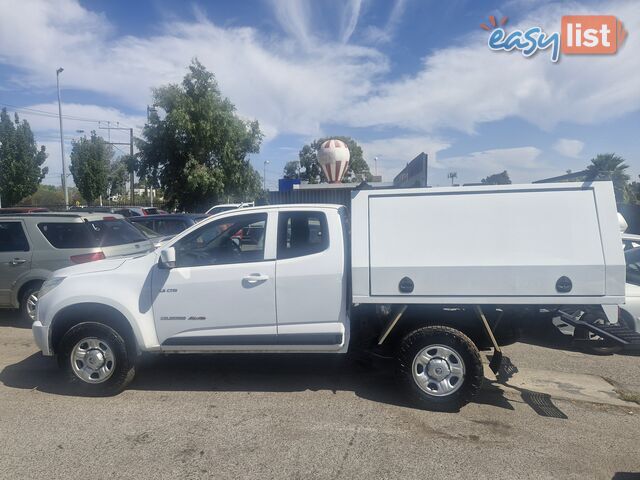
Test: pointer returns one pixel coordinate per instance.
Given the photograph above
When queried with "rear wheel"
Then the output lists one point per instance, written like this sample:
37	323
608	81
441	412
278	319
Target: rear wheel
28	301
95	359
440	367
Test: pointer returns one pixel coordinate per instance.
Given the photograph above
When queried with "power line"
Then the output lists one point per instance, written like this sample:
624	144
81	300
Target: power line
44	113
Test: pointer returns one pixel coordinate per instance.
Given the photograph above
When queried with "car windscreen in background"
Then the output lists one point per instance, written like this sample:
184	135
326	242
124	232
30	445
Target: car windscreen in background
108	233
67	235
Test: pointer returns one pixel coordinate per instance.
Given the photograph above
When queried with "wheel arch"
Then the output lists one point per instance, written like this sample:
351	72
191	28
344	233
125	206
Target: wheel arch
25	285
91	312
458	317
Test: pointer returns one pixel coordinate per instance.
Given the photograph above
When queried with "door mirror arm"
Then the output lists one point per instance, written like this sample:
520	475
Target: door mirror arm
167	258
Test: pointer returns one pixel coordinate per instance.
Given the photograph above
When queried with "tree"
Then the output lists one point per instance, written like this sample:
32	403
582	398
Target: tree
291	170
501	178
609	166
310	168
117	177
199	152
21	161
90	163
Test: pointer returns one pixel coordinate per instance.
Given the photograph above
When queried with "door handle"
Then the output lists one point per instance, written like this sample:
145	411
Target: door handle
255	278
17	261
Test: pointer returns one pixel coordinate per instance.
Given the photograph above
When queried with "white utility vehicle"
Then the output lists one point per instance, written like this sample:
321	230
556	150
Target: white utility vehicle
425	276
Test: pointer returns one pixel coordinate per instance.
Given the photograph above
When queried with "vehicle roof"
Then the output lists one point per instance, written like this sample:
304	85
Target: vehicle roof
18	210
287	206
61	215
167	216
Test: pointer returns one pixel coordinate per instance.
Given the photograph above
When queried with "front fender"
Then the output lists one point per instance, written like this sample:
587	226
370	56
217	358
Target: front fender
141	323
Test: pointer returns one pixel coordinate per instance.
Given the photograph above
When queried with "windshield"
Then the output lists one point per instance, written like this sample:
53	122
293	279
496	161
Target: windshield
146	231
216	210
110	232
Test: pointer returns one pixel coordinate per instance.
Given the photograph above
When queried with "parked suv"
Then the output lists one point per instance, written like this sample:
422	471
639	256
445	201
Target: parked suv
34	245
170	224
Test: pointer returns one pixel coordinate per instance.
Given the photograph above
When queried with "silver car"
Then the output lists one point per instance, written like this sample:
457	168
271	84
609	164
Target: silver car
33	245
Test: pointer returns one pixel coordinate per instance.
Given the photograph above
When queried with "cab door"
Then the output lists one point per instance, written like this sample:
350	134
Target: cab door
311	291
15	257
221	293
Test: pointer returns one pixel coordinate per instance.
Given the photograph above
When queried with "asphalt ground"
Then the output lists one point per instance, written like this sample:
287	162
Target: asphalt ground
562	414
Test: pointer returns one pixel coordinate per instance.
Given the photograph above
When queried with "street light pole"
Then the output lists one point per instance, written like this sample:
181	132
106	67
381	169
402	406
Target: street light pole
64	170
264	175
0	190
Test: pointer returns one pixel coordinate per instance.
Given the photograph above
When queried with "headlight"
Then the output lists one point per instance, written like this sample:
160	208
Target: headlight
49	285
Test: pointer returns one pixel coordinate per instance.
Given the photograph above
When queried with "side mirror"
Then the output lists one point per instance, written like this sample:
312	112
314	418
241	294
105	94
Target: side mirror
168	258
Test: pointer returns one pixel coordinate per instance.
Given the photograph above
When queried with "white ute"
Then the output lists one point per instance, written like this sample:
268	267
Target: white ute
423	276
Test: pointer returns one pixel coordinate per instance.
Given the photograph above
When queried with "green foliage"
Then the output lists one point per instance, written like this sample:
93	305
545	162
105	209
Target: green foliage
633	193
310	168
118	176
198	153
90	164
609	166
45	195
291	170
21	161
501	178
51	196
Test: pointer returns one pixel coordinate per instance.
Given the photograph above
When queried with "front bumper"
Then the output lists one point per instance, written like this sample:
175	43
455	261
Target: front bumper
41	336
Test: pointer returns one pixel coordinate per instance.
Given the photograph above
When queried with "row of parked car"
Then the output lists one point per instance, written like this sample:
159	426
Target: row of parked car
35	242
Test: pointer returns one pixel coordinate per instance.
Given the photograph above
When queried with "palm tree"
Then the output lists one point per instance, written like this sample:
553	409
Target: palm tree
609	166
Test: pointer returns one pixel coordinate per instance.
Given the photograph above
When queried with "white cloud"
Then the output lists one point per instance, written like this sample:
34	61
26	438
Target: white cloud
287	86
568	147
522	163
466	84
394	153
384	34
316	76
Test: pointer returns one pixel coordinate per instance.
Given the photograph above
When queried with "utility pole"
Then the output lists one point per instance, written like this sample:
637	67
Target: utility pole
151	109
264	175
452	176
130	143
64	170
0	190
131	158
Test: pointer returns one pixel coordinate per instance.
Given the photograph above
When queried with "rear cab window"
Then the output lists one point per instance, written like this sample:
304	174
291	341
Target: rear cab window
302	233
632	258
12	237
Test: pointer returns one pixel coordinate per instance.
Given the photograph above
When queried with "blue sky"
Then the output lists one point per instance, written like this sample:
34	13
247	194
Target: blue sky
400	76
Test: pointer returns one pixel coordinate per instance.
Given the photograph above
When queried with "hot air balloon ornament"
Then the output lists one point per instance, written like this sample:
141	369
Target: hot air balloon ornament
333	157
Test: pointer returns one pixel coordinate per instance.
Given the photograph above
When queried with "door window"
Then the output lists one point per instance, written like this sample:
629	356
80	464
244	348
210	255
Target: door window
238	239
12	237
301	233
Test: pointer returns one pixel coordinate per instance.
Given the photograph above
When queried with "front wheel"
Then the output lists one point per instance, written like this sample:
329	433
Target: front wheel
95	359
28	301
440	367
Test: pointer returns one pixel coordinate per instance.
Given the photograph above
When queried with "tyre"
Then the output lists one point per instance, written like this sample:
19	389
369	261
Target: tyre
592	343
95	360
28	300
440	368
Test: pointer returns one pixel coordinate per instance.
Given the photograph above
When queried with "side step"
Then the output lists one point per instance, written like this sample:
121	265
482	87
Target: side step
616	332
